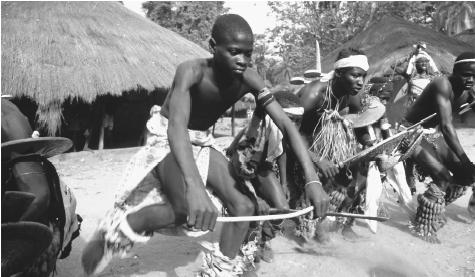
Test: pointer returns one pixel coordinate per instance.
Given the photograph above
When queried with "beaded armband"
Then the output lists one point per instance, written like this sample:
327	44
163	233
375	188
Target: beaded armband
264	97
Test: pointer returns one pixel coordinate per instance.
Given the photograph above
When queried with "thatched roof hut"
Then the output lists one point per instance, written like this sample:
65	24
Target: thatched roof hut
54	51
467	36
390	40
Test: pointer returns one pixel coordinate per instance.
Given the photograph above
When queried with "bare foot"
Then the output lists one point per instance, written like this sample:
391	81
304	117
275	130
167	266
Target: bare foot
321	233
265	253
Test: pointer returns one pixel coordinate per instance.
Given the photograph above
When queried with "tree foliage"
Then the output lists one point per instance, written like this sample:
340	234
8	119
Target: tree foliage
191	19
288	49
332	23
454	17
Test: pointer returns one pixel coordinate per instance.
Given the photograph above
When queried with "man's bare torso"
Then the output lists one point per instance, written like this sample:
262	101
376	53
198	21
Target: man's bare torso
210	97
426	103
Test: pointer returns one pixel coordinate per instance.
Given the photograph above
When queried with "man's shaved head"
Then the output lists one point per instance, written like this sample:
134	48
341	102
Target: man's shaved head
228	24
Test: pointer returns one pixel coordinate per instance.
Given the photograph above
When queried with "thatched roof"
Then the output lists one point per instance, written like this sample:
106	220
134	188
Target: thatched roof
391	39
467	36
55	50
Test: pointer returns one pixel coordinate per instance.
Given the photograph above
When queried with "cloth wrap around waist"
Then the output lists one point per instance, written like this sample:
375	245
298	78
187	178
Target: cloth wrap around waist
140	185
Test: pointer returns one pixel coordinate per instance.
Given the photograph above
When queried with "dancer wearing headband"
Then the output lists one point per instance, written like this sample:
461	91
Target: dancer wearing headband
329	138
182	181
440	154
419	53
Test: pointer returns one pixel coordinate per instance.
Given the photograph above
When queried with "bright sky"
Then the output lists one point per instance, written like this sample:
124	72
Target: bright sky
255	12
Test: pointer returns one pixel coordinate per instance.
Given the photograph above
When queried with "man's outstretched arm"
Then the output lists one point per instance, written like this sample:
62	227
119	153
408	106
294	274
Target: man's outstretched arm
447	128
313	187
201	212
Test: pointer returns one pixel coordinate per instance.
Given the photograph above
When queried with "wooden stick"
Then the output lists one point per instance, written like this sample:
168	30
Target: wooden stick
362	216
425	119
293	213
284	213
466	107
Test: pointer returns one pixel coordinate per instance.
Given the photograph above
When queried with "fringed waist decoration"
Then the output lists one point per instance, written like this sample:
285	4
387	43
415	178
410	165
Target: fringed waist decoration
335	140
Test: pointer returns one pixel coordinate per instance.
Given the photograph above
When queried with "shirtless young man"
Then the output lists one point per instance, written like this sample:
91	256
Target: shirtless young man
344	85
441	154
202	90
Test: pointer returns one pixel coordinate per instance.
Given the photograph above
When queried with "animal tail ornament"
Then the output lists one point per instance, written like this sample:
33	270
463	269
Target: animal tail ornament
430	214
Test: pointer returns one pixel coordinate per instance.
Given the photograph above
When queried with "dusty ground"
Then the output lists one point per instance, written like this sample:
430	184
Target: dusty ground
391	252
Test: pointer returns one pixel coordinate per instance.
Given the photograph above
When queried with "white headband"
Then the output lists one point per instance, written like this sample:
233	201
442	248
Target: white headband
360	61
465	61
294	110
422	54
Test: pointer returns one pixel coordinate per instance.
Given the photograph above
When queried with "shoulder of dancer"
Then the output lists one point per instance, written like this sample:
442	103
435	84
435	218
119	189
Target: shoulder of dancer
312	95
441	86
191	71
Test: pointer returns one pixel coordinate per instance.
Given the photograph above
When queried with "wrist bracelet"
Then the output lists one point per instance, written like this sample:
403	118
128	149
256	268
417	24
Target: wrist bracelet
264	97
305	186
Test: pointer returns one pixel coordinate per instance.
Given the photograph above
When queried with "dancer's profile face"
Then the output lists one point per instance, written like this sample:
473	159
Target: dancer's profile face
466	74
353	79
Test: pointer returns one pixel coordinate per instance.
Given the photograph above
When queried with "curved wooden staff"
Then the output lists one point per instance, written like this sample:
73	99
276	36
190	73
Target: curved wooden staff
466	107
293	213
283	214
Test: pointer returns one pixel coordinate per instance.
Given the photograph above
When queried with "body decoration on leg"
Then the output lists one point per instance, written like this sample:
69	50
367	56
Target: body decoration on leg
430	214
216	264
140	187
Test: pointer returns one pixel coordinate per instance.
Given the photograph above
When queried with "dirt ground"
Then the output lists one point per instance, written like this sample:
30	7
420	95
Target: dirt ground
392	252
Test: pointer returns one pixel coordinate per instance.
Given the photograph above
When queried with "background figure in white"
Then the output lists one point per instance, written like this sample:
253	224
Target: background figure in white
418	53
155	126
